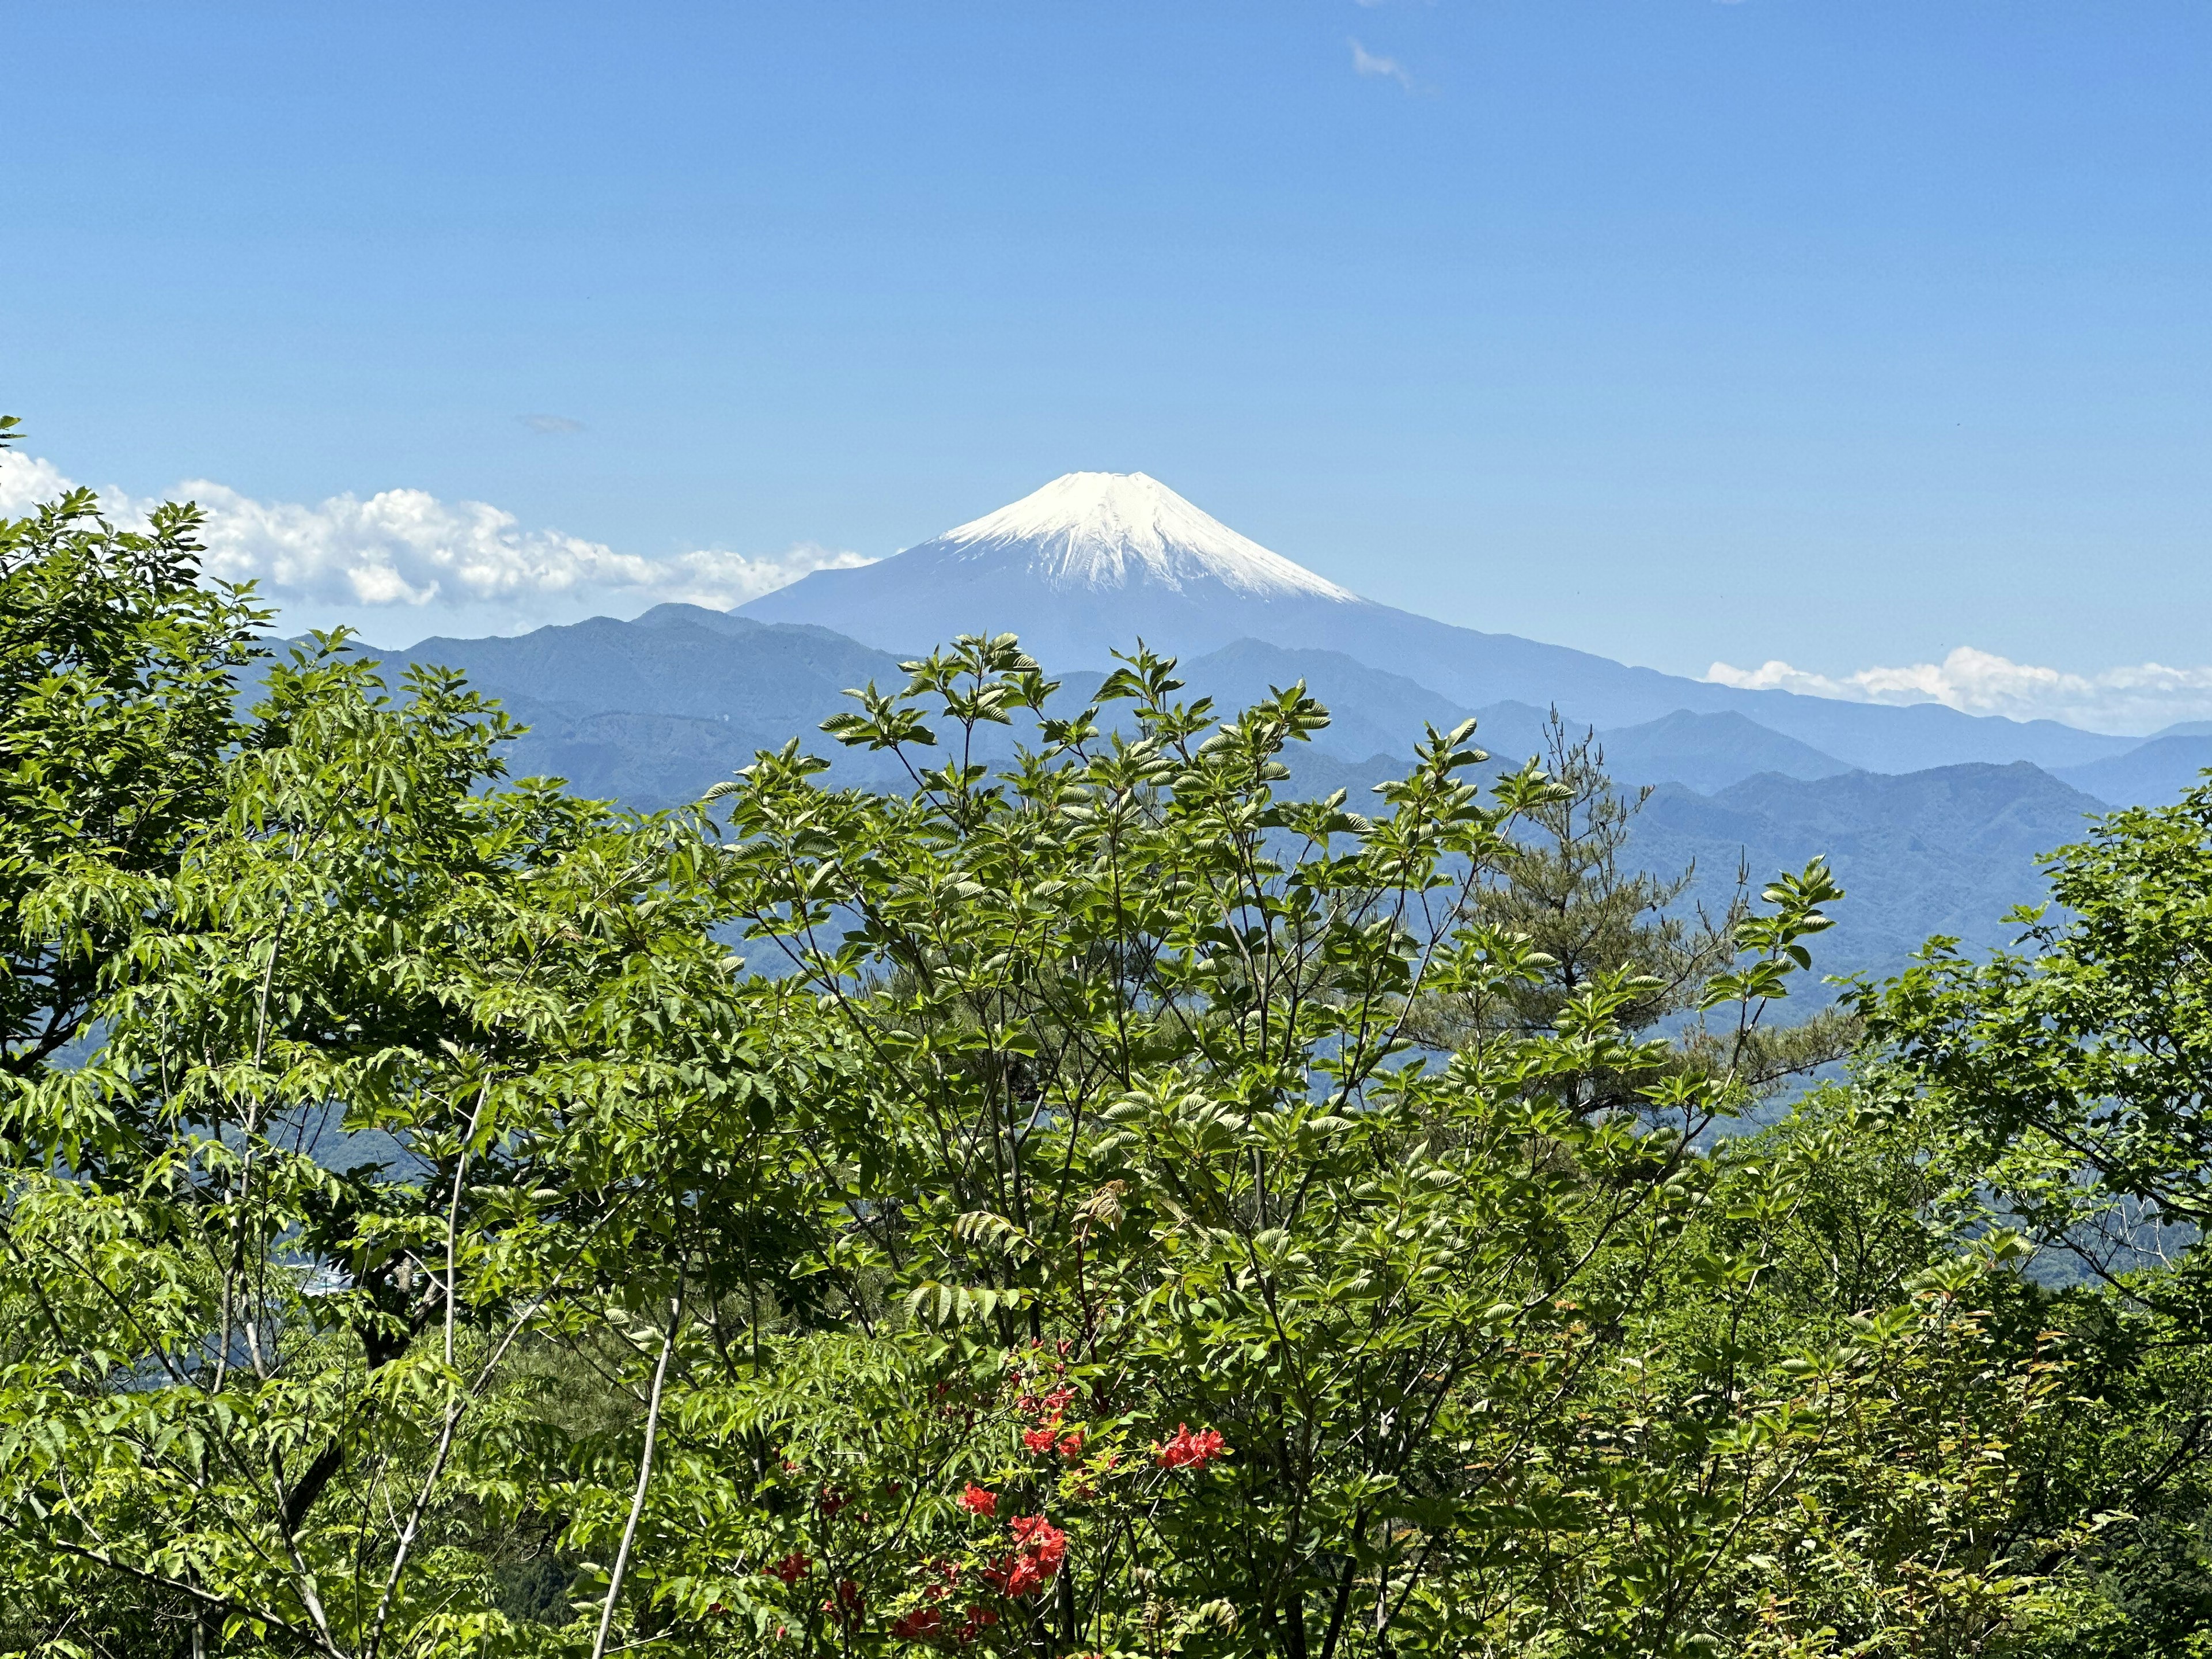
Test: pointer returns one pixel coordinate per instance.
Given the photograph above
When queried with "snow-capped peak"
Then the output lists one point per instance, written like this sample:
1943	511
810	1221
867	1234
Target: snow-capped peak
1107	529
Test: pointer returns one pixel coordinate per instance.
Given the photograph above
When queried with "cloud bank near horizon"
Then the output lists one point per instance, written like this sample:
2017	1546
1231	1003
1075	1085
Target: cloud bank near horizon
2135	698
404	554
404	560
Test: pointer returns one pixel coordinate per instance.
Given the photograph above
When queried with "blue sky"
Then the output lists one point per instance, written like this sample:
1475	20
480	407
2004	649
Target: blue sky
1846	335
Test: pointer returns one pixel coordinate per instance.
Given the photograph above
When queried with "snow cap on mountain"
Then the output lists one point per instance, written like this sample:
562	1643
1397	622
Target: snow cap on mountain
1111	529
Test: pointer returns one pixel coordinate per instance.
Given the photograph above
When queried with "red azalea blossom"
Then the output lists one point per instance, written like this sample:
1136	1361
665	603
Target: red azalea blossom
1071	1443
1056	1402
846	1607
792	1568
1034	1531
1036	1440
922	1622
978	1620
832	1501
1042	1548
1186	1450
977	1501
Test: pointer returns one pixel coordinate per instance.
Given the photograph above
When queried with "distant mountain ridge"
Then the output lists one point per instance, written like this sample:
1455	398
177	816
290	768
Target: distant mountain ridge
2157	770
1095	561
1932	818
1949	850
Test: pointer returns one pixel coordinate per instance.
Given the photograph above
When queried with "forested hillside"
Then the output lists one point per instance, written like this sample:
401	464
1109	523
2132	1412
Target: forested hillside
1149	1210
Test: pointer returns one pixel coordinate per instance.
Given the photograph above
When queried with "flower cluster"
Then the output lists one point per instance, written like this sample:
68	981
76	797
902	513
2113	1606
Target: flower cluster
848	1604
978	1500
1049	1439
1186	1450
917	1625
1050	1408
1039	1549
978	1620
793	1568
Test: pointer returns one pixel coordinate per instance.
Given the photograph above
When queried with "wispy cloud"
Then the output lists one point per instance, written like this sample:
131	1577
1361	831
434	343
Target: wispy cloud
2134	697
550	423
404	553
1365	63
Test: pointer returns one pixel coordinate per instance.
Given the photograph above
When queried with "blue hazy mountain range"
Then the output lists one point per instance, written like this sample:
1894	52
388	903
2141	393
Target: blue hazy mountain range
1094	560
1932	818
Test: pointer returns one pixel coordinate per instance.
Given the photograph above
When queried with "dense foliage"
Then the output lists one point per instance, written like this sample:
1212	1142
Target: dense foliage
1101	1205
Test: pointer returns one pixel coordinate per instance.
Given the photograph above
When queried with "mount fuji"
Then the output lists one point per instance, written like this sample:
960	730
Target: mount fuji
1095	561
1931	816
1084	567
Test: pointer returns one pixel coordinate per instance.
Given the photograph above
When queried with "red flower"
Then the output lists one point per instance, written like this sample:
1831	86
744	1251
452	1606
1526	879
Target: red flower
1056	1402
1193	1451
847	1608
1041	1548
1036	1440
977	1501
832	1500
1034	1532
792	1568
922	1622
1071	1443
978	1620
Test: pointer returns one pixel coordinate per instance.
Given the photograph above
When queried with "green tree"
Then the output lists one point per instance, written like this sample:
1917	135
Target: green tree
264	1398
1075	1242
1569	885
1151	1155
2091	1058
117	681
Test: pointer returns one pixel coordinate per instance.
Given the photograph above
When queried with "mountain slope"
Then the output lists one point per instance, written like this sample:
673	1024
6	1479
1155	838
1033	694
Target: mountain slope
1095	561
654	711
1086	566
674	660
650	713
1705	752
1944	851
2151	775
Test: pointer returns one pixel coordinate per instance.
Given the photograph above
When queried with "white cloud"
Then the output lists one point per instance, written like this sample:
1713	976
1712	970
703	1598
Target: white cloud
24	481
2135	697
550	423
405	552
1366	63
